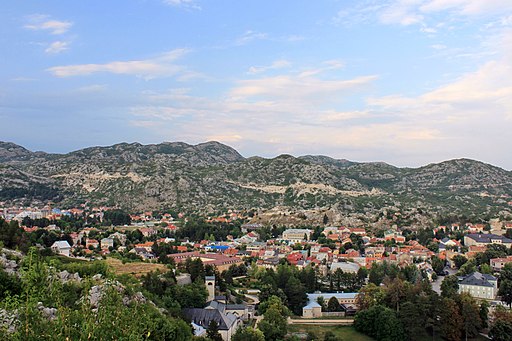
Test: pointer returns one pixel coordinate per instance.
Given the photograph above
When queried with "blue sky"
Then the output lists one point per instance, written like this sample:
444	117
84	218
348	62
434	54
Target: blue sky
408	82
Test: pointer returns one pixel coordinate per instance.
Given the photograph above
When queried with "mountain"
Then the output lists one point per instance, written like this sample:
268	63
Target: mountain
211	176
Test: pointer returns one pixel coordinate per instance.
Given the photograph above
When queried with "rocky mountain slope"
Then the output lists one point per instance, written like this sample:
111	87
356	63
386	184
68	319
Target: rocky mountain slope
212	176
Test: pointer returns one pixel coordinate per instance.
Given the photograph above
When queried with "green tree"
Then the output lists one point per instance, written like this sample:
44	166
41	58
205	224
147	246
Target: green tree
505	291
459	260
470	313
438	265
450	286
484	313
369	295
274	324
213	331
501	330
412	320
296	295
248	334
451	320
333	305
379	322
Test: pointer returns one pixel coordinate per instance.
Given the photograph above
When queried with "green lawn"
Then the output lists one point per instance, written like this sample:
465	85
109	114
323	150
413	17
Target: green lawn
347	333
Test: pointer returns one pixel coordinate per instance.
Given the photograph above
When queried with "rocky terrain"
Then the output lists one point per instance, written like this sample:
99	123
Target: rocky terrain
211	177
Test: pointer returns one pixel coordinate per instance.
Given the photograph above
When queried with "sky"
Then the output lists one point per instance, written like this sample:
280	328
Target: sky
408	82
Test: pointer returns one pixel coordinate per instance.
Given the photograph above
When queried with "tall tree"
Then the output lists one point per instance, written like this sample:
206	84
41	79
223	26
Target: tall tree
470	315
484	313
412	320
451	320
501	330
333	305
505	290
274	324
213	331
296	295
369	295
379	322
450	286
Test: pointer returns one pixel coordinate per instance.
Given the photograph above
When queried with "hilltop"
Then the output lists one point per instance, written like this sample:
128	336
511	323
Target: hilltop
212	176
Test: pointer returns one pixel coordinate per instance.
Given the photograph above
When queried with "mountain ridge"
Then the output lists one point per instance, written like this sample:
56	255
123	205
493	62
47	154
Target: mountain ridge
212	176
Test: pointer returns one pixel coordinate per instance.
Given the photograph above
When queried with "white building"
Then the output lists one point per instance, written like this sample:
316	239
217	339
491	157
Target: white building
297	235
61	247
479	285
314	309
346	267
107	243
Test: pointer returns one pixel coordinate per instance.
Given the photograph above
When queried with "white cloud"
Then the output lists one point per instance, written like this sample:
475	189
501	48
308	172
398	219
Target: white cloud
161	66
430	15
94	88
57	47
305	112
40	22
191	4
276	65
292	87
401	12
438	46
250	36
467	7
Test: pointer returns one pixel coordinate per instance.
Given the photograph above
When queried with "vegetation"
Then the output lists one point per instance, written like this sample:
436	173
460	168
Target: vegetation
47	309
410	310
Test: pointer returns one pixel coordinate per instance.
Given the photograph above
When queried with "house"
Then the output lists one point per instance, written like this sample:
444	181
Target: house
120	236
148	246
296	235
346	267
358	231
294	258
397	236
447	242
479	285
314	309
147	232
200	319
498	263
61	247
91	243
479	239
219	261
242	311
107	243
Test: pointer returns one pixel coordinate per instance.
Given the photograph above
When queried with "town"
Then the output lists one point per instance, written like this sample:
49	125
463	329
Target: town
333	275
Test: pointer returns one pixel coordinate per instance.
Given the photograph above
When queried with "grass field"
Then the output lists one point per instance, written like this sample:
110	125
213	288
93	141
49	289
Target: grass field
137	268
347	333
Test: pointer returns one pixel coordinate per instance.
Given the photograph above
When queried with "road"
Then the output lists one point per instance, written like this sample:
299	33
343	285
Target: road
251	294
436	285
323	322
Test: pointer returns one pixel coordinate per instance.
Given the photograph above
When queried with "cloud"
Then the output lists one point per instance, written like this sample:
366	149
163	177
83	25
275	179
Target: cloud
161	66
261	111
40	22
190	4
276	65
317	110
57	47
93	88
250	36
401	12
298	86
430	15
467	7
438	46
